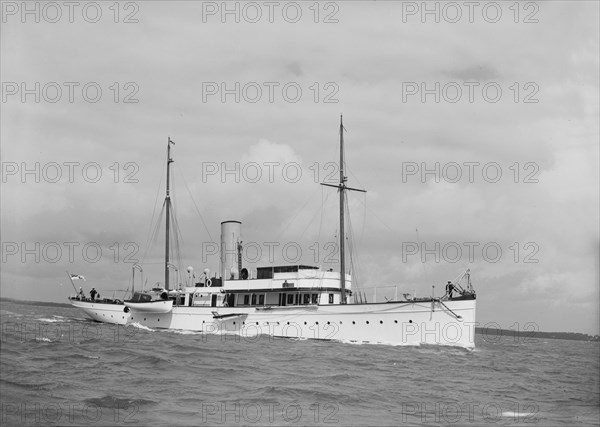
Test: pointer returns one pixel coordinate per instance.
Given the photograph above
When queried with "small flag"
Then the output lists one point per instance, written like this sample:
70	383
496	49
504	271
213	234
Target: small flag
77	277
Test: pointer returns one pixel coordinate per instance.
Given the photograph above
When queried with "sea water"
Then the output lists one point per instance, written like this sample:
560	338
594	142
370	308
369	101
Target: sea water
60	368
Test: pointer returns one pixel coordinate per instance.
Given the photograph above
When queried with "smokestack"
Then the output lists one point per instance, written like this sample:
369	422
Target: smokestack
231	234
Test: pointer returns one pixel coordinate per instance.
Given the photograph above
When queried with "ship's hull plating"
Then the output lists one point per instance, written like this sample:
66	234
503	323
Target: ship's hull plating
404	323
396	323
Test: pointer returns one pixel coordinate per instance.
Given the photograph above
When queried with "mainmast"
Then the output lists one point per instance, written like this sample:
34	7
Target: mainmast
342	189
168	213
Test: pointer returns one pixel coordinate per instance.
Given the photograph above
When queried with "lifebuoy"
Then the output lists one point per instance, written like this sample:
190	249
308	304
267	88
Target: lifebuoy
208	283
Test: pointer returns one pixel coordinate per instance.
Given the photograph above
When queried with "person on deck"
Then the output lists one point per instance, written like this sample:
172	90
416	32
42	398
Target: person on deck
80	295
449	289
93	293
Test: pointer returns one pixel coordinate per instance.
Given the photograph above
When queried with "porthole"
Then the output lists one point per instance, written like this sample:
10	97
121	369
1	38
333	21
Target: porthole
328	323
395	321
144	318
316	323
367	322
410	321
340	322
381	322
234	323
257	323
353	322
289	323
159	320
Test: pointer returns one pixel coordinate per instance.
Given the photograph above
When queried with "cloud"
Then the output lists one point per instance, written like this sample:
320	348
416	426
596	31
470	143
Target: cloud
546	149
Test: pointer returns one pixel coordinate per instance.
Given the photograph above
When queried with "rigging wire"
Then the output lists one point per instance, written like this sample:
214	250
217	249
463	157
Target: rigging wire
312	220
149	235
354	259
154	236
422	262
323	200
195	205
177	240
287	226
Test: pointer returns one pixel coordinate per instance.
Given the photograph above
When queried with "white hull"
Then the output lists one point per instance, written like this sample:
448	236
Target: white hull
398	323
103	312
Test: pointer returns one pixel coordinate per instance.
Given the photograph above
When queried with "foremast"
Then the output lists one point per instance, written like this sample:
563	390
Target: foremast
342	188
168	212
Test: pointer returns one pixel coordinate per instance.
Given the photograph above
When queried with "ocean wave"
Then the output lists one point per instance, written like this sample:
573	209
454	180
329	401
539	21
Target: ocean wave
183	332
519	415
9	313
31	386
50	320
149	360
142	327
109	401
75	356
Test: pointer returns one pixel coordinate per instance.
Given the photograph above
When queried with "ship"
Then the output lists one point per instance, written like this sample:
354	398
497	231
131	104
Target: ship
291	301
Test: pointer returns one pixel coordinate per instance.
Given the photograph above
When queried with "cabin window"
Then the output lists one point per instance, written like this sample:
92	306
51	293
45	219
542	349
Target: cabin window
330	298
306	298
253	299
261	300
246	299
315	299
296	299
290	299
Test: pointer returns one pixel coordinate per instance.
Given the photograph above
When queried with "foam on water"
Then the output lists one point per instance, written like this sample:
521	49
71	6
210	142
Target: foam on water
50	320
518	415
183	332
142	327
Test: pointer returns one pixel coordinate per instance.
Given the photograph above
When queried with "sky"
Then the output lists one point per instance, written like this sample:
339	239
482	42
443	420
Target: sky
473	128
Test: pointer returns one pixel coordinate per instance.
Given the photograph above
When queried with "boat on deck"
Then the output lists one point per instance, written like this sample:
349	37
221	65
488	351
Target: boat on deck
294	301
155	301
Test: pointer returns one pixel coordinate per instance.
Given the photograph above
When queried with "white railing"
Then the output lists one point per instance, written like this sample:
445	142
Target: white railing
385	293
